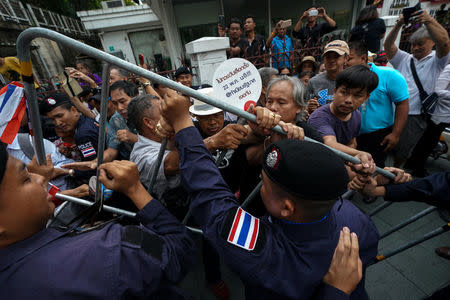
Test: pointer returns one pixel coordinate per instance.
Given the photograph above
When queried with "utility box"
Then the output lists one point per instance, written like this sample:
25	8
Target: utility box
206	55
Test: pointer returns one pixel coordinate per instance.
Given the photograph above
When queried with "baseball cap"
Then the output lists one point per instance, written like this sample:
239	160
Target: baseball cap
182	70
307	170
200	108
338	46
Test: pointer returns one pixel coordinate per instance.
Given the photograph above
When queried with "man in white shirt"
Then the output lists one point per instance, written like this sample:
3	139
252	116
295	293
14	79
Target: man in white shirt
440	119
428	63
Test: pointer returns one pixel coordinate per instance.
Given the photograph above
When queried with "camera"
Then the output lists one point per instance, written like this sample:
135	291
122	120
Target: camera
313	12
408	11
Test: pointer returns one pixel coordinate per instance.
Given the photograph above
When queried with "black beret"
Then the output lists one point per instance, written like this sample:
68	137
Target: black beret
3	160
306	170
182	70
52	101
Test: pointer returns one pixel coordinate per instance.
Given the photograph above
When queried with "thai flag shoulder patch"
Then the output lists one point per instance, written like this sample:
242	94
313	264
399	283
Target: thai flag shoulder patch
244	230
87	150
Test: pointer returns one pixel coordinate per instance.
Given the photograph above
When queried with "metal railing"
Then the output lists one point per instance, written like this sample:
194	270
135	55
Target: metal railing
31	15
24	54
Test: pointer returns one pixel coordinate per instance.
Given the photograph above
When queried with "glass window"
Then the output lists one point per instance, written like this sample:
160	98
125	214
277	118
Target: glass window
153	46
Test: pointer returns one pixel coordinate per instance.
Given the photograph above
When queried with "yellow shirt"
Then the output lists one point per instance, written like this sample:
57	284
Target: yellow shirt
11	69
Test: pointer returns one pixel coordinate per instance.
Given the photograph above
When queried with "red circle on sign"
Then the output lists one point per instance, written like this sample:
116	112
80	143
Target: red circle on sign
248	103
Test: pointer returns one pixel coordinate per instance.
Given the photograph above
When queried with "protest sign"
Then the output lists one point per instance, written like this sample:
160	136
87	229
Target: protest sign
237	82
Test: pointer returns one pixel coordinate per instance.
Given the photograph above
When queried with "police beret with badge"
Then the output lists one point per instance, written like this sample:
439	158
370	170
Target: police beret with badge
306	170
53	101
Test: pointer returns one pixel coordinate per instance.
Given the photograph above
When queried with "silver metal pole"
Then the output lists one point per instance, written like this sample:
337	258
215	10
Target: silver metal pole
88	203
408	245
110	209
409	221
251	195
159	159
23	53
36	130
102	132
379	208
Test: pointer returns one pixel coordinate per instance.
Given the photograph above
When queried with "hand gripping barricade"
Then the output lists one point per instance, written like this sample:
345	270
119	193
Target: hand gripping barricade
24	55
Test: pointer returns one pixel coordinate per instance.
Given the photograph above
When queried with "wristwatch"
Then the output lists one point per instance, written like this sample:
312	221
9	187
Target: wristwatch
147	84
71	172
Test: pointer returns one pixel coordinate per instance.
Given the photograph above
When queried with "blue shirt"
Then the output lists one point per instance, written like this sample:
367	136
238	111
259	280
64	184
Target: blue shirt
378	111
281	51
86	138
117	122
288	260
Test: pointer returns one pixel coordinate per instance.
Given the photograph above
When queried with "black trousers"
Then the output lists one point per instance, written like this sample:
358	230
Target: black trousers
425	146
371	142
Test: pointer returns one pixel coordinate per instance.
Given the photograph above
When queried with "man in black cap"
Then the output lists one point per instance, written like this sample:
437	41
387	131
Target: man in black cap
104	262
183	75
67	119
287	253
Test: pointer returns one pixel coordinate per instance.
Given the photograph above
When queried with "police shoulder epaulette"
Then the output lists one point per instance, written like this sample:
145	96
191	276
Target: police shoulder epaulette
243	230
151	244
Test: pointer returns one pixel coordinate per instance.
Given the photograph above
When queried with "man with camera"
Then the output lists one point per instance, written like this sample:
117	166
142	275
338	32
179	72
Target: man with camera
311	32
421	69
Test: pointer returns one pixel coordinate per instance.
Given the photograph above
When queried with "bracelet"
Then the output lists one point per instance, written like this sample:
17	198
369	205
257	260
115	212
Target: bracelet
147	84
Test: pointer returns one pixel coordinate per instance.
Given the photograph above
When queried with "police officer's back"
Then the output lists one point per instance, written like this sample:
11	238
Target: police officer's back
286	254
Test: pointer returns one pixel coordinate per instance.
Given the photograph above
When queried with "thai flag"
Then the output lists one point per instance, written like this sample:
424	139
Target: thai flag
88	151
244	231
12	108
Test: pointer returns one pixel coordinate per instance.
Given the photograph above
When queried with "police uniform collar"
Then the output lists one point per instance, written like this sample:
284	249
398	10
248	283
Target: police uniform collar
19	250
301	232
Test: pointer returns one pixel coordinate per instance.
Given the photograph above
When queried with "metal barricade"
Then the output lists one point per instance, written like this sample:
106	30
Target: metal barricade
23	52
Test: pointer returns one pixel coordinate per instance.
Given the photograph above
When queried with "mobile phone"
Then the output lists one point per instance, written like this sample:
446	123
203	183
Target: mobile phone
141	59
313	12
286	23
222	21
408	11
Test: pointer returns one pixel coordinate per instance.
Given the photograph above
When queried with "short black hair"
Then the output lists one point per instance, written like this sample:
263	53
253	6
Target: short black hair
127	87
138	109
235	20
359	47
249	16
357	77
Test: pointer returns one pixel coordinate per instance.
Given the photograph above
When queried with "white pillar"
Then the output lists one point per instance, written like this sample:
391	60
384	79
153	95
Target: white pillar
206	55
164	10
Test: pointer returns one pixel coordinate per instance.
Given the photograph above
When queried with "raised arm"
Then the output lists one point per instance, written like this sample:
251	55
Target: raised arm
389	43
438	33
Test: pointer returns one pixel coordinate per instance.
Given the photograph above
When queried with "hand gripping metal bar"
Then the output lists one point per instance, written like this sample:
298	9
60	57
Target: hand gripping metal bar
23	52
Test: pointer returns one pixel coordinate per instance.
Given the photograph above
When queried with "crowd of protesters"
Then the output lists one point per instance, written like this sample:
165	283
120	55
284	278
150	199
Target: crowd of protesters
297	239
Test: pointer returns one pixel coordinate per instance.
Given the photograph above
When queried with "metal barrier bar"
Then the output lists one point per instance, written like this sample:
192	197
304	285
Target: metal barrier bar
379	208
110	209
251	195
409	221
162	149
23	53
408	245
102	131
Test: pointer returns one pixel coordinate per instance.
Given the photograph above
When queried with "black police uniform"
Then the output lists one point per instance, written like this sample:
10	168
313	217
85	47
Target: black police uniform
275	259
110	261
